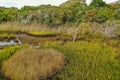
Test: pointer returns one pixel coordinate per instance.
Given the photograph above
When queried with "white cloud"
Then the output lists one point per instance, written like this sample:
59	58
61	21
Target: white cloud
110	1
9	4
21	3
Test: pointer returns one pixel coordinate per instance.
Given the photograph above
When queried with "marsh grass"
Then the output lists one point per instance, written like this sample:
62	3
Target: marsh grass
8	52
33	64
35	27
48	33
94	58
85	30
87	61
6	36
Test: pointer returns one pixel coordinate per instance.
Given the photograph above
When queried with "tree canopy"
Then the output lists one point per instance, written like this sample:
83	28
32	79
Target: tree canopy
70	12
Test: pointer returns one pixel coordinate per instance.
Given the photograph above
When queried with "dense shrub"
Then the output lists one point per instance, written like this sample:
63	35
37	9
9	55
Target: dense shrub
72	11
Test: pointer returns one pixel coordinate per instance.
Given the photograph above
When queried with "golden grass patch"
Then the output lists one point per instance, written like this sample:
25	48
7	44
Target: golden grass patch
33	64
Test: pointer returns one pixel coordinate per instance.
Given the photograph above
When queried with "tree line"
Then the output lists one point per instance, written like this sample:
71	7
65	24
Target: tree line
71	12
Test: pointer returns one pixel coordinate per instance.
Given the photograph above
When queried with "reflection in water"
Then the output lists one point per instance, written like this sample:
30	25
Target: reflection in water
12	42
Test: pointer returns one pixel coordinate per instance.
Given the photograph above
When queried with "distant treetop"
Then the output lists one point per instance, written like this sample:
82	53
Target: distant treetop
98	3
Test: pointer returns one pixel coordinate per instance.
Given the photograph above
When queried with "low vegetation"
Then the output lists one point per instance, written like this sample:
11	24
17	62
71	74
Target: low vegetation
6	36
33	64
50	33
87	60
8	52
86	36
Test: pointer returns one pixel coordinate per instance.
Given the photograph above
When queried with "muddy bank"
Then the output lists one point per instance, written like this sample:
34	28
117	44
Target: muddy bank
29	34
24	37
31	39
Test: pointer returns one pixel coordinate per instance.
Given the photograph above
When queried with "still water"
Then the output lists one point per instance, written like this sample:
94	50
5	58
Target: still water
11	42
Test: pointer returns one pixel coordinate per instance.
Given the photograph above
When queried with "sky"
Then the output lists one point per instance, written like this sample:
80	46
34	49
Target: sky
21	3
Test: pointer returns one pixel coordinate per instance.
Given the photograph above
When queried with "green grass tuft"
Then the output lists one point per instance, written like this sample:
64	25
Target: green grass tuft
87	61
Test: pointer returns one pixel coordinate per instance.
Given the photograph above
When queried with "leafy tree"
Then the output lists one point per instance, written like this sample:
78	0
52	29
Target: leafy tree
98	3
70	12
90	15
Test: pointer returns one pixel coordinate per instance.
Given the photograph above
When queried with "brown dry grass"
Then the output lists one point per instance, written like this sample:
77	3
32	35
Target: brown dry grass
15	27
33	64
22	27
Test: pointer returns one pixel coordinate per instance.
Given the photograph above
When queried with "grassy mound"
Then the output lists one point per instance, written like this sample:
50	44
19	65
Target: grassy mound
33	64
